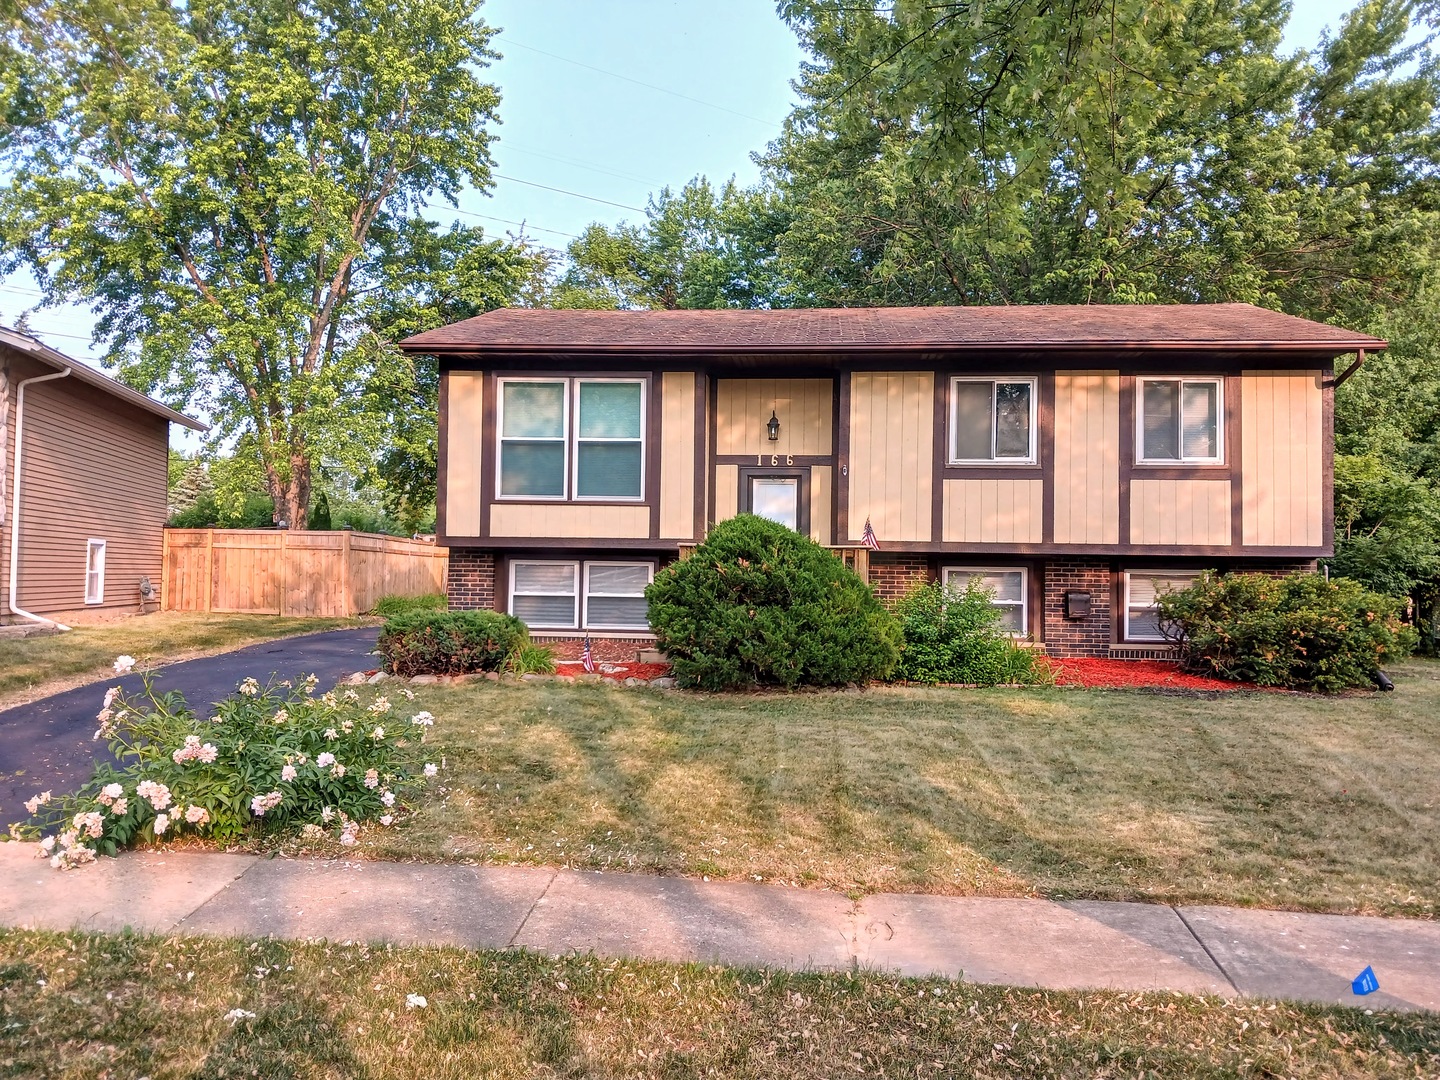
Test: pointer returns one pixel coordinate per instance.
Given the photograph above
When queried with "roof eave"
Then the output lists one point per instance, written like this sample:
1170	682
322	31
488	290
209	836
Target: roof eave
1332	348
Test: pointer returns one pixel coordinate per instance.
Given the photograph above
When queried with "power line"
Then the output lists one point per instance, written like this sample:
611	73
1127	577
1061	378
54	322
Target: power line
578	164
17	289
562	191
637	82
507	221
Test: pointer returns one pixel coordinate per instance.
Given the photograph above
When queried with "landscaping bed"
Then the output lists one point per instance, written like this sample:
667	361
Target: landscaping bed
1104	674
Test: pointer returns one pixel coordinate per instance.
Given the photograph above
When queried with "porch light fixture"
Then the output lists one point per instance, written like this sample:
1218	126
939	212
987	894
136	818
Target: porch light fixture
773	427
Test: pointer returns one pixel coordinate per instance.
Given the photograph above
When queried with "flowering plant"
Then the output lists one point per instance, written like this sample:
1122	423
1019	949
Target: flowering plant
269	758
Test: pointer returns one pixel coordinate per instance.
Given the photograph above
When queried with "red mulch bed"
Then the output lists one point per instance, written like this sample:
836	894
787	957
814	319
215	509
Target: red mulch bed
618	672
1143	674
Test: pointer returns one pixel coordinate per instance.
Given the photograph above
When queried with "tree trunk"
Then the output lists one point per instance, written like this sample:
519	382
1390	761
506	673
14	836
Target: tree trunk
292	494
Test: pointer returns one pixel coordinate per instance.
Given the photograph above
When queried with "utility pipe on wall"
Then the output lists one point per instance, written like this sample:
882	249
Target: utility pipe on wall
15	498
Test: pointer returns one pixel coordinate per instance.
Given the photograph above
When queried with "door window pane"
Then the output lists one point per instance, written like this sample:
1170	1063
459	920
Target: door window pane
971	419
608	469
1162	421
1012	420
777	499
1201	424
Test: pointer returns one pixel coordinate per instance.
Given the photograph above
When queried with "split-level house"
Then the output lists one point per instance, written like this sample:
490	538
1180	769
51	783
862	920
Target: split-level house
1078	461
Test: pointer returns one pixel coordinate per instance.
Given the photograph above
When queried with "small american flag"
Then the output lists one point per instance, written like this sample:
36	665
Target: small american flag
587	658
868	537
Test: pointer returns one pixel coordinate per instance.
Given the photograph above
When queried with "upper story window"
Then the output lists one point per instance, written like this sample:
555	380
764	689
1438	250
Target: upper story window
572	438
1180	420
992	421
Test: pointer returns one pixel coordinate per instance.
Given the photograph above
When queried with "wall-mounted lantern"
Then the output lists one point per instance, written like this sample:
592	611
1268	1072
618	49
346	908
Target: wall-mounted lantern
773	427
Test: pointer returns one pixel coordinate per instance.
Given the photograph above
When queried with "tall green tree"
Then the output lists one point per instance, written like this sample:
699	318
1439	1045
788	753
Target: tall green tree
225	181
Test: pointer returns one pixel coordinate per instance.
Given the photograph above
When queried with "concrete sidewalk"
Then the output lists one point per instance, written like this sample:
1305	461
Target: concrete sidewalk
1083	944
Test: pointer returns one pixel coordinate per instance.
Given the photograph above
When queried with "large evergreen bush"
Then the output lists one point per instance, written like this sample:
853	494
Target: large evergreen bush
954	636
758	603
1299	631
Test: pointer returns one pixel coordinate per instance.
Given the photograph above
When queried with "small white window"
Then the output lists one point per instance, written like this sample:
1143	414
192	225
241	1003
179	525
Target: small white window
95	572
545	594
615	595
1179	421
993	421
1008	586
1143	589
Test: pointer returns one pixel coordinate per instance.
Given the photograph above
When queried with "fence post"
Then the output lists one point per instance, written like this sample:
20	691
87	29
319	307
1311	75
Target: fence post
164	569
209	570
347	571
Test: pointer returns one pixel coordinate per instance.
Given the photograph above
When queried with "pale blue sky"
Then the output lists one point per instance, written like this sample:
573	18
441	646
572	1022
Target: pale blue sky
575	115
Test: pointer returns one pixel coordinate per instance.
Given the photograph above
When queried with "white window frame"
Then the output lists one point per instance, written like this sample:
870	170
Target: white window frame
574	565
1024	605
585	614
1218	381
1031	458
1192	574
94	548
569	438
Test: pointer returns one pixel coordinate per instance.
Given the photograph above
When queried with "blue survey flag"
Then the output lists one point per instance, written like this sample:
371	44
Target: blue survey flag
1365	982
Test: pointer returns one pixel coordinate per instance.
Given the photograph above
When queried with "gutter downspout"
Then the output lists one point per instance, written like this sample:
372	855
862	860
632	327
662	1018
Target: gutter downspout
15	497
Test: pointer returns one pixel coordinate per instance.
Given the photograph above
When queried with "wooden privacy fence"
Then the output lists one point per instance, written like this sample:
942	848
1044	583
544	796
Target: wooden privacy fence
271	572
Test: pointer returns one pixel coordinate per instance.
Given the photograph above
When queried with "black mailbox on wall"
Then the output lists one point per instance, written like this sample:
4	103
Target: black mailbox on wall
1077	604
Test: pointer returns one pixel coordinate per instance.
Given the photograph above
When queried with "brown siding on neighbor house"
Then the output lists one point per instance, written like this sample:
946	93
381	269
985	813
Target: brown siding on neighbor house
1087	457
94	468
1282	458
891	454
803	406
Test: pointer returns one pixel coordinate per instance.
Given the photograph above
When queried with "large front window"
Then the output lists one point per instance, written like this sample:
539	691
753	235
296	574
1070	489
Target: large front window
1007	588
992	421
572	438
1180	420
551	594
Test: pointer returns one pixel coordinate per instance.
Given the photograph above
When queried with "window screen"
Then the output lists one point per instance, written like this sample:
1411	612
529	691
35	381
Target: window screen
992	420
1143	589
609	453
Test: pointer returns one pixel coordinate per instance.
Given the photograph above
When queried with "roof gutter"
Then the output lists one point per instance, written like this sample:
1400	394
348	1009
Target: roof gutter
15	609
1305	348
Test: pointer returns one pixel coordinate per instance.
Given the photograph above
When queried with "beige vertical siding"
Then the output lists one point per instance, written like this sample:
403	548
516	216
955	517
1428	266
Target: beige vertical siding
892	438
727	492
677	455
465	399
577	520
1282	455
1184	512
820	503
994	511
94	468
1087	457
804	408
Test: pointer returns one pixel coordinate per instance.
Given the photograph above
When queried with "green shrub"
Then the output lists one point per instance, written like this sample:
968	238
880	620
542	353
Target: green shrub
389	606
528	659
758	603
266	759
954	635
449	642
1299	631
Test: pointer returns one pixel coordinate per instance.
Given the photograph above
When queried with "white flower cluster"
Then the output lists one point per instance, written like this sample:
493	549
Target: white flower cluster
71	852
197	816
194	751
92	824
380	705
372	779
261	803
113	796
249	687
33	805
423	719
124	665
158	794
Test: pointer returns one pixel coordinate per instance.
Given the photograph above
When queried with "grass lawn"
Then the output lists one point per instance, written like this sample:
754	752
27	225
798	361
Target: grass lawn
36	666
1272	800
86	1006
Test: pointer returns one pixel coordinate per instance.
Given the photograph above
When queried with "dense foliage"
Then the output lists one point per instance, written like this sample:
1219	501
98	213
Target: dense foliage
449	642
387	607
267	758
954	636
1300	631
759	604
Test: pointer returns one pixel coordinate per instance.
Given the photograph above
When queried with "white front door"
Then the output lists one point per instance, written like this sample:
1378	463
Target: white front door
776	498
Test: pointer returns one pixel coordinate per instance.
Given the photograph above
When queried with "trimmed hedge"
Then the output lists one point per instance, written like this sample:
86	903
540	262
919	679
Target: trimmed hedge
1301	631
759	604
954	636
449	642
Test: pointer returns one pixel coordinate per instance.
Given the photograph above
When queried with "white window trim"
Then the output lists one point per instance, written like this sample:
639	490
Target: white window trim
1024	605
1031	458
1219	383
1148	573
92	547
574	565
569	438
587	624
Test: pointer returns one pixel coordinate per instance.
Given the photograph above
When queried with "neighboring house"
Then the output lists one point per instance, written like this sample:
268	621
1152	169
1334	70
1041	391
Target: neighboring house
1077	460
83	464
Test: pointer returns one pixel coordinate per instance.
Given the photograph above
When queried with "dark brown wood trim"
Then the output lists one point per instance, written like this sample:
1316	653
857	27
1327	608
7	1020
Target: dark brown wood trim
1047	456
1181	472
784	461
654	441
1327	461
489	449
802	475
940	455
994	472
702	453
526	500
713	421
512	544
841	490
1127	452
1105	550
1233	443
442	458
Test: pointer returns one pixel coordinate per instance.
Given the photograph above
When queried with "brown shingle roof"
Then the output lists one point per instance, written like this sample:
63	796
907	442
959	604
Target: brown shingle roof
830	329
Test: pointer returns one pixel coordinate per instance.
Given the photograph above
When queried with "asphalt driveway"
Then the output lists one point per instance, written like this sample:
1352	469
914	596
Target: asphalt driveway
49	745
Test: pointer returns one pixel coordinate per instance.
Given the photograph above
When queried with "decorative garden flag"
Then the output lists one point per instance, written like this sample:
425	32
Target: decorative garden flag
587	658
1365	982
868	537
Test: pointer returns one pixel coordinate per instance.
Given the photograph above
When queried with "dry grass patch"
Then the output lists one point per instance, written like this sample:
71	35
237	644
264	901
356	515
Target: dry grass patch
1274	800
78	1006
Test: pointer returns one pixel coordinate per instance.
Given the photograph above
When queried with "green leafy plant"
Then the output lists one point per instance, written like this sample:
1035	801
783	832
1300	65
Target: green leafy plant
758	603
449	642
1298	631
267	758
954	635
529	659
389	606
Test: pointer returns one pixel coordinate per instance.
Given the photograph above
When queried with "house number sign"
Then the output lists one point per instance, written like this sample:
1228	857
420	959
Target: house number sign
774	459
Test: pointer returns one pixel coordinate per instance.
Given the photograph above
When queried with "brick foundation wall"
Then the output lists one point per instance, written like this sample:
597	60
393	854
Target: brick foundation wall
470	583
1089	636
612	650
892	576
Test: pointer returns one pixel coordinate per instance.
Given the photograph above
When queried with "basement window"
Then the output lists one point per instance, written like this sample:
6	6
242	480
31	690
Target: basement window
1143	589
95	572
1007	587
